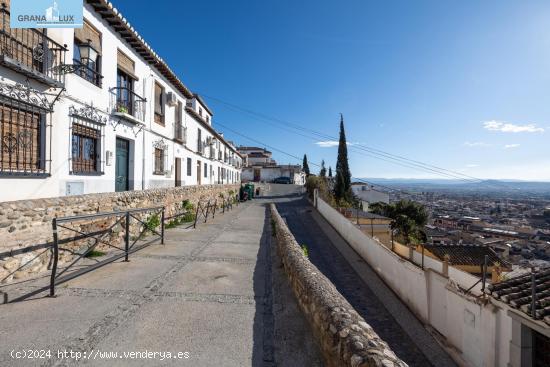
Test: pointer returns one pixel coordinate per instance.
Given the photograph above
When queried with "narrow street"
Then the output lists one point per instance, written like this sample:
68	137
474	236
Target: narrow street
217	293
367	293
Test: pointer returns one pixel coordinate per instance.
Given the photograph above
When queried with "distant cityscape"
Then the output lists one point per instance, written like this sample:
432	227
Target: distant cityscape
510	217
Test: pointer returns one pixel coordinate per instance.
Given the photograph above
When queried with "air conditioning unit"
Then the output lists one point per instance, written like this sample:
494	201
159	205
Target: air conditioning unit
171	99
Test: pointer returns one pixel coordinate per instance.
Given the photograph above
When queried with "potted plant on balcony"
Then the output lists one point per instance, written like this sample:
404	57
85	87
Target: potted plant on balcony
122	109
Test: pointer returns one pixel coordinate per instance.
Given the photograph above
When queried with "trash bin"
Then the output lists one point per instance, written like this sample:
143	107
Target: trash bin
250	190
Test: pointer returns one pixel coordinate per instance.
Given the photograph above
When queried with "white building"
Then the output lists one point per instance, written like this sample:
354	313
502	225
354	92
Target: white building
260	166
368	195
97	110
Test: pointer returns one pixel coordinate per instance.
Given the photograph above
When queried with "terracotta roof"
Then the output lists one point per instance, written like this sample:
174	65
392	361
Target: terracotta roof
461	254
517	292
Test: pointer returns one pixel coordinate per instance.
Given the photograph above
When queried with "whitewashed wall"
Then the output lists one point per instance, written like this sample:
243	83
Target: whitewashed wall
79	92
480	332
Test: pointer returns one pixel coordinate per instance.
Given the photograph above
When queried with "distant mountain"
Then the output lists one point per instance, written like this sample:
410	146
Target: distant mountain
449	184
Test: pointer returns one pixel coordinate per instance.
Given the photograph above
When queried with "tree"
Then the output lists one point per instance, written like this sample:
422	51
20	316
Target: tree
305	165
329	171
342	187
323	172
409	218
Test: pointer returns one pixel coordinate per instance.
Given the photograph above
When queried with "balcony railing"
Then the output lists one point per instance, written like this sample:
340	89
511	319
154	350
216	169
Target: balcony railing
87	73
128	104
180	133
30	51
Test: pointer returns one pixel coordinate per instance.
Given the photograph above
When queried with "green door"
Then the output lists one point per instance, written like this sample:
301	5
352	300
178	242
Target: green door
121	167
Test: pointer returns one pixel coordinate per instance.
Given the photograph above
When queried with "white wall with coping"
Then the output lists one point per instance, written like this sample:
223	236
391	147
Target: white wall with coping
479	331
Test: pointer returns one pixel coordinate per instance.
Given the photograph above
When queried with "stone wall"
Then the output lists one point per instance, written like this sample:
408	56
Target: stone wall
29	222
344	336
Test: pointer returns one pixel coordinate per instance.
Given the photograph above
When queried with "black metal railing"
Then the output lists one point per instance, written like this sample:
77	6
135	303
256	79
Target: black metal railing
92	230
124	100
30	51
86	72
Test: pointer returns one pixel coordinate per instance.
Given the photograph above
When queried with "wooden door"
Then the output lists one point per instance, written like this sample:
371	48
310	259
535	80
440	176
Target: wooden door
121	164
178	171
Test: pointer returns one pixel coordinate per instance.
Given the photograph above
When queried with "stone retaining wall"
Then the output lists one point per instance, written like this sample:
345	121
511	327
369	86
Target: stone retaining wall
344	336
26	223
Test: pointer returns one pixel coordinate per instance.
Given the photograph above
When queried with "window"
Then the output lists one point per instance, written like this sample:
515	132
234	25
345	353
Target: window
200	112
22	140
125	87
218	174
189	166
178	126
85	149
159	162
207	118
205	170
199	140
159	104
91	59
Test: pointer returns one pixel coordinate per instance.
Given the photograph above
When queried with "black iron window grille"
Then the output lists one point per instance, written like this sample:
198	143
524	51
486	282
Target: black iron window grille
85	149
22	139
30	51
87	136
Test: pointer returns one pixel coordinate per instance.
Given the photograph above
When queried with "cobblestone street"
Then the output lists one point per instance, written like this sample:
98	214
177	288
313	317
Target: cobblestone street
372	299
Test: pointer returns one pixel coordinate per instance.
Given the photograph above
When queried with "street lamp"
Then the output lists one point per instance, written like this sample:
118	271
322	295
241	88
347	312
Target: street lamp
87	52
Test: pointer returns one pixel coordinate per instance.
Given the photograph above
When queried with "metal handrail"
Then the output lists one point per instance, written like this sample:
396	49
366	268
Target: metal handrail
123	217
133	104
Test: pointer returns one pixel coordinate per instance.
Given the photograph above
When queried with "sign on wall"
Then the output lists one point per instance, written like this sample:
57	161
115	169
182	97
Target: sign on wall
46	14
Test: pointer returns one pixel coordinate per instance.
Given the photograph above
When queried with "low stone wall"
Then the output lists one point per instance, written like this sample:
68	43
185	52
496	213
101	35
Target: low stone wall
28	222
344	336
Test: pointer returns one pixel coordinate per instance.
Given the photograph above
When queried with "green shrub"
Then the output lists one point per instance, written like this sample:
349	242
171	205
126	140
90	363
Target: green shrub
153	221
305	250
95	253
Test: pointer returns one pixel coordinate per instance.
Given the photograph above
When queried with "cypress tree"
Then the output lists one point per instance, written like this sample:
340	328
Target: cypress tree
342	187
329	171
323	172
305	166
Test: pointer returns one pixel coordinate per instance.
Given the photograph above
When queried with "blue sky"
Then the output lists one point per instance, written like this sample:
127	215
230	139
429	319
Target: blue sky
462	85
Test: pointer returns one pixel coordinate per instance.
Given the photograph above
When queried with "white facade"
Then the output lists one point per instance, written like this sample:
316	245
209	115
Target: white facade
369	195
270	173
149	154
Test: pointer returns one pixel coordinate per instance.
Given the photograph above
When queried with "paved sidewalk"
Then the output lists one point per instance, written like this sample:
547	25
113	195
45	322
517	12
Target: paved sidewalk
207	292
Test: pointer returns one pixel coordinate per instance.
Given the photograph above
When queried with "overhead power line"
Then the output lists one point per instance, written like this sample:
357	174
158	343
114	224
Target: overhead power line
299	158
355	147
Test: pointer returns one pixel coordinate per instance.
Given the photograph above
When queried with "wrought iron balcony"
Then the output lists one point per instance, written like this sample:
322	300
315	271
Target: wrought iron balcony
180	133
86	72
30	52
127	104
